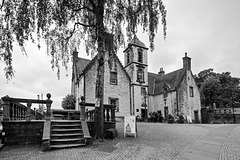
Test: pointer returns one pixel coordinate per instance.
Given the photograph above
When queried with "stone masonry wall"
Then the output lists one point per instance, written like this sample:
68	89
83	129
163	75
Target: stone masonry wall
187	104
121	91
170	103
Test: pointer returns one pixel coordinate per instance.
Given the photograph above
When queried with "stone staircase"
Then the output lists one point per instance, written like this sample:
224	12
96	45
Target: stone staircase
66	133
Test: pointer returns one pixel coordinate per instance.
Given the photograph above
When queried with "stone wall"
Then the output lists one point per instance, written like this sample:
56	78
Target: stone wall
170	103
121	91
22	132
194	103
209	116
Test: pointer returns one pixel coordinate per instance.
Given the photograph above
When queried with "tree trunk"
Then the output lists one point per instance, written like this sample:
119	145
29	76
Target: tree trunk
98	123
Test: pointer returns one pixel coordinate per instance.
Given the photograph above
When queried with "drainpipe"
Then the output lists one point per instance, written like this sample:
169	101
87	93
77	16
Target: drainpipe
133	101
177	101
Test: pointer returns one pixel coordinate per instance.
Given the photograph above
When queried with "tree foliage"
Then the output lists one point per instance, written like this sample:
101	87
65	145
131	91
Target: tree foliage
64	24
219	88
68	102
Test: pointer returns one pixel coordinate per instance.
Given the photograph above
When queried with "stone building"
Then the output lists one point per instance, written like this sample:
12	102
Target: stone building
116	83
175	93
133	89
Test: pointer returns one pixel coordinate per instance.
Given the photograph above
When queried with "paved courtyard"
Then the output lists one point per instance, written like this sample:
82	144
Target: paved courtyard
154	141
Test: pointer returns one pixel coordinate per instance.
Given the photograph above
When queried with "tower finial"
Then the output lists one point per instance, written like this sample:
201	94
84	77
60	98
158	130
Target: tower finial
185	54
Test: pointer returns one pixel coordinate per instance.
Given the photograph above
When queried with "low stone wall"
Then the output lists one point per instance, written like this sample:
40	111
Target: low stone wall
23	132
224	118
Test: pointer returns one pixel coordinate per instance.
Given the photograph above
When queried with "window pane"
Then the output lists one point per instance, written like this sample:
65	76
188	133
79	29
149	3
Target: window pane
113	78
140	75
140	56
191	91
128	57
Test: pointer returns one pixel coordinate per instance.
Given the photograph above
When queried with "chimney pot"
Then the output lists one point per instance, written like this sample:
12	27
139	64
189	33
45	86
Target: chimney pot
161	72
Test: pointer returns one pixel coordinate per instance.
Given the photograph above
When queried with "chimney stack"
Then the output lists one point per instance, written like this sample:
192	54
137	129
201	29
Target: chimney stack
186	62
161	72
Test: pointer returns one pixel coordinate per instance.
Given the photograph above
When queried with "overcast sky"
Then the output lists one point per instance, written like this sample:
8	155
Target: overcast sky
208	30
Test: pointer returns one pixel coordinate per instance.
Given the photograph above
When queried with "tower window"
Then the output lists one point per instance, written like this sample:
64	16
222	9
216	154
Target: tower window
113	78
128	57
191	91
140	75
140	56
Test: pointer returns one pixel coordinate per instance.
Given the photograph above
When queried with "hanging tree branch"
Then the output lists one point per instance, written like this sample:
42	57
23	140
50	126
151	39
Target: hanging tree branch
93	4
74	28
2	4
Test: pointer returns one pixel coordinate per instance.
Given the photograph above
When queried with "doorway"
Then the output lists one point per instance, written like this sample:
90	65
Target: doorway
196	117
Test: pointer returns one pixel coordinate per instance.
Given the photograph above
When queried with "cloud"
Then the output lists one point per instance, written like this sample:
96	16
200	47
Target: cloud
207	30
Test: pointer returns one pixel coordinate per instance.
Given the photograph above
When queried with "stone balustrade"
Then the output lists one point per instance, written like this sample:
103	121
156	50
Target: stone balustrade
13	109
108	111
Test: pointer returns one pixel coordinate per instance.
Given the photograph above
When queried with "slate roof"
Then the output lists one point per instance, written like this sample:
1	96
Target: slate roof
151	82
136	42
172	79
81	64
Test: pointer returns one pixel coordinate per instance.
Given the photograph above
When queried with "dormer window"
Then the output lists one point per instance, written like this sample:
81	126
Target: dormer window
140	55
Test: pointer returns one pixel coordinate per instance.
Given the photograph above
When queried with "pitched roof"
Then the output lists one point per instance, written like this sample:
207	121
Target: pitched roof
136	42
151	82
172	79
83	65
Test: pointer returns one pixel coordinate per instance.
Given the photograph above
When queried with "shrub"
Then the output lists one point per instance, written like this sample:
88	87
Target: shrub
181	119
170	118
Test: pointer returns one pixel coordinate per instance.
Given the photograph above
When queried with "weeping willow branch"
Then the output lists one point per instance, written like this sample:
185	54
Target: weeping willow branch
74	28
2	5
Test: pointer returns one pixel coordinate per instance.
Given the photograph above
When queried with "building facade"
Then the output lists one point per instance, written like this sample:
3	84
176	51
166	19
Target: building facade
133	89
175	93
116	83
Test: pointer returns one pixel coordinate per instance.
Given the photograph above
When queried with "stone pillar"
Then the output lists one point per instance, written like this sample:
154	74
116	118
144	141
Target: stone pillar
6	108
82	112
48	104
28	114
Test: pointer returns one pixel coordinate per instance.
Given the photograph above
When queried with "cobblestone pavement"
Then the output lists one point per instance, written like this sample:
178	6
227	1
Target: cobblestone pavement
231	147
154	141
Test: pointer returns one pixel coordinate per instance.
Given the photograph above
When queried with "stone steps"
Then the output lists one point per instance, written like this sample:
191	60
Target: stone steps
66	134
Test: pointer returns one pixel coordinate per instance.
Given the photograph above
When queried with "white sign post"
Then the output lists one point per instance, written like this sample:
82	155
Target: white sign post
130	126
